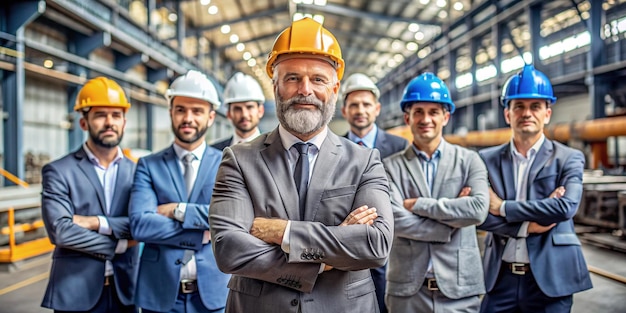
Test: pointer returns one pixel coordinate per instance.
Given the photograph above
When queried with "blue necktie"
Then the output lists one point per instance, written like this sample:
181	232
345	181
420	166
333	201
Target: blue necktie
301	174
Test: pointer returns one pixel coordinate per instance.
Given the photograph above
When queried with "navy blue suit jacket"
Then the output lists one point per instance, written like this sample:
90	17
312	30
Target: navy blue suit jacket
71	186
220	145
556	257
159	180
387	143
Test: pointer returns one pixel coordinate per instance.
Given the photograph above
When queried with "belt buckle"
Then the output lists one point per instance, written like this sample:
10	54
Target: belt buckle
515	268
187	286
432	284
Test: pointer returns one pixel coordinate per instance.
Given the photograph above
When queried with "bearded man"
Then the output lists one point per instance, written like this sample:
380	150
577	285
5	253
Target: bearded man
299	215
169	208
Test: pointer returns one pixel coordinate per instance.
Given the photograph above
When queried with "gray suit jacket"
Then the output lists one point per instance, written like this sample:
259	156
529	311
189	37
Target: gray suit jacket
441	226
254	180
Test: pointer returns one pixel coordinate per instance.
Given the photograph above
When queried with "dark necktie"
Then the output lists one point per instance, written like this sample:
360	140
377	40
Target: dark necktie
301	174
189	180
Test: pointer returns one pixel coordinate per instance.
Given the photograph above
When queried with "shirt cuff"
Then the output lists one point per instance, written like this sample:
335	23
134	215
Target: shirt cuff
285	245
104	228
523	230
502	209
121	247
322	265
179	211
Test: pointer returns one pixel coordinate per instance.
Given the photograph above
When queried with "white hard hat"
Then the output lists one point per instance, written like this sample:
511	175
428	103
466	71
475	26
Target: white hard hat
194	85
243	88
358	81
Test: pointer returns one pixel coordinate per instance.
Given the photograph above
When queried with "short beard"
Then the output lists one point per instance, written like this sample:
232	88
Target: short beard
105	143
304	121
200	132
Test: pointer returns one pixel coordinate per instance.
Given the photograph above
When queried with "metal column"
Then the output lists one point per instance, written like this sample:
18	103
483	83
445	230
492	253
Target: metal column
598	86
16	16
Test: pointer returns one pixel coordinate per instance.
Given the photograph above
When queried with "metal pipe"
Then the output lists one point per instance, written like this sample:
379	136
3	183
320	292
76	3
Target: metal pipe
588	131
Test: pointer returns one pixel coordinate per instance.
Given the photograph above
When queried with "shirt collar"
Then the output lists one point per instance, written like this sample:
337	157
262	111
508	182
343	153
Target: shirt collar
436	154
369	139
93	158
198	152
237	139
533	150
289	139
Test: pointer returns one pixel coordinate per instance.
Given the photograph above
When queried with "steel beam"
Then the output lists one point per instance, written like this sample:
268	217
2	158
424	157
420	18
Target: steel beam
17	16
354	13
125	62
598	85
261	14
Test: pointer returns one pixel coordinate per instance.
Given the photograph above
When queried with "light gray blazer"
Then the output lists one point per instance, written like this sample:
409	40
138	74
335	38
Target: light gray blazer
254	180
441	226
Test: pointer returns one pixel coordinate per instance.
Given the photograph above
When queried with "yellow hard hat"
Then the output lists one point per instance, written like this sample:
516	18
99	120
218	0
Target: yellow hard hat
101	92
306	36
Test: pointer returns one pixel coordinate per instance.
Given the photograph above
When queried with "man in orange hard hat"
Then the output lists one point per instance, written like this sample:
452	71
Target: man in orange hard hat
85	210
308	210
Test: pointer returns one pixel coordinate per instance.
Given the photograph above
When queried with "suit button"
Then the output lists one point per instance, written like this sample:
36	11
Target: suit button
179	261
294	302
303	256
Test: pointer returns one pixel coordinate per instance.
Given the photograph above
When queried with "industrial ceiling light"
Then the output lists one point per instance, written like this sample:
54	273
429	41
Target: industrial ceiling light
225	29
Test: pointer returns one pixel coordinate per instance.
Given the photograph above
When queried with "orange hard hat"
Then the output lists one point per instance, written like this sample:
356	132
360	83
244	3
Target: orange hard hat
101	92
306	36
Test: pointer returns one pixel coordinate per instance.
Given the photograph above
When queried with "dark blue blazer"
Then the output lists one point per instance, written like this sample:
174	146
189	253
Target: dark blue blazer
556	257
220	145
159	180
71	186
387	143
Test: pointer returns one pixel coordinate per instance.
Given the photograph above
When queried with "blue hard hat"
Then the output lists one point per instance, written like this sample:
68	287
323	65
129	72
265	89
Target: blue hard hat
529	83
427	87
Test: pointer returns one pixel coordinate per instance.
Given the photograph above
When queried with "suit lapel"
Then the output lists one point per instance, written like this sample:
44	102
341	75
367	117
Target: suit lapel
507	174
543	155
275	158
87	168
327	160
415	171
208	169
171	162
380	143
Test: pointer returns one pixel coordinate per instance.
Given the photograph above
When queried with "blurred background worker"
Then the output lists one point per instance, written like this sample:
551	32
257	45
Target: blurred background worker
286	206
170	208
361	108
533	259
244	98
439	194
84	205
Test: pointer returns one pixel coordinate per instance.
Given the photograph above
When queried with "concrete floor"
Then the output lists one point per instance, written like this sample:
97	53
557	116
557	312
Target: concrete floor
21	290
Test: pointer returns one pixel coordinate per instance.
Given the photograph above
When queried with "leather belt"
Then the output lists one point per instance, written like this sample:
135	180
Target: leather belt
188	286
517	268
431	284
108	280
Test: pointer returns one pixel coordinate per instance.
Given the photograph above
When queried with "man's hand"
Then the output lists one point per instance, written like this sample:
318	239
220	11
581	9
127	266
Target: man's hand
465	192
167	209
558	192
87	222
360	215
269	230
494	203
535	228
409	204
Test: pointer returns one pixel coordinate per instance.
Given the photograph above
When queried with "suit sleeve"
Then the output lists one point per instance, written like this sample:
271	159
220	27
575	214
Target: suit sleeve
498	225
58	212
368	245
410	226
463	211
553	210
120	225
149	226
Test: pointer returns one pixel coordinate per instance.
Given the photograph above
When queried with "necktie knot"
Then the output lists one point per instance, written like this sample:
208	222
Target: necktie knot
188	158
360	143
303	147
